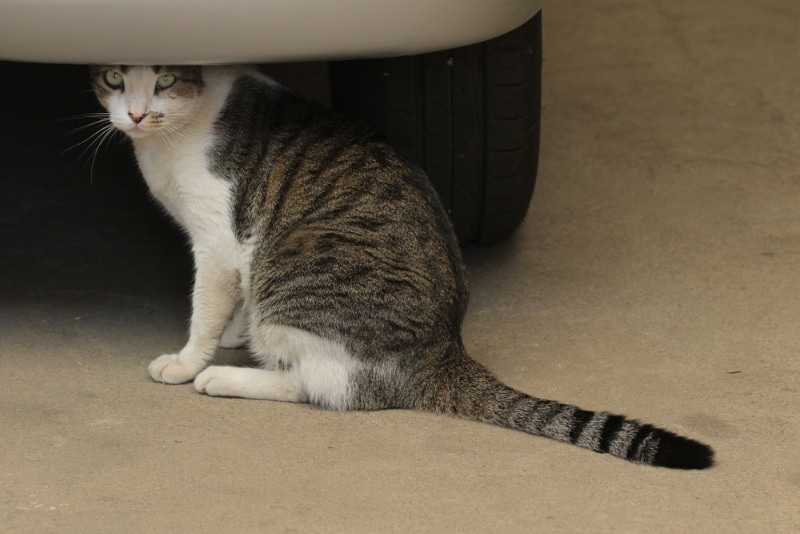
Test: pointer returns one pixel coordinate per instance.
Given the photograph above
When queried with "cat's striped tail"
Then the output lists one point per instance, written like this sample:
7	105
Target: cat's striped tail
482	397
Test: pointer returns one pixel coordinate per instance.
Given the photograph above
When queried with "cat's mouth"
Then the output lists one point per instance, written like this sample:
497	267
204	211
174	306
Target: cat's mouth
136	130
141	125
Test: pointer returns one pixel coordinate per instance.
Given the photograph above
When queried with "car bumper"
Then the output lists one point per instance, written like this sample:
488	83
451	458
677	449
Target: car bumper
213	31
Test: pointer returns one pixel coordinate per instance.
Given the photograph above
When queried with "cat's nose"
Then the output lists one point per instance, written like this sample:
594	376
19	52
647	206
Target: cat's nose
137	118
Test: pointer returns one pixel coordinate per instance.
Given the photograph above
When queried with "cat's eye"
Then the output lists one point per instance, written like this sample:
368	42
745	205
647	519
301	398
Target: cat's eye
113	79
166	81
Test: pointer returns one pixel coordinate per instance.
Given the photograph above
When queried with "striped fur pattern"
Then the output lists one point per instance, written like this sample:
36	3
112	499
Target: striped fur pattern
329	257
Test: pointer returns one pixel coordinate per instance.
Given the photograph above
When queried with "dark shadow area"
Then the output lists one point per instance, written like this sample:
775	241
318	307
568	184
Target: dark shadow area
72	222
75	218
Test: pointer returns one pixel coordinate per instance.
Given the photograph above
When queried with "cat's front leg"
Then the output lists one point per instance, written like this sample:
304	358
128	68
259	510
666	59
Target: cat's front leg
215	292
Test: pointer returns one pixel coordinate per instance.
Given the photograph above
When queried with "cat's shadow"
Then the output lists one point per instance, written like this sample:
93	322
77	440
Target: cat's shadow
234	357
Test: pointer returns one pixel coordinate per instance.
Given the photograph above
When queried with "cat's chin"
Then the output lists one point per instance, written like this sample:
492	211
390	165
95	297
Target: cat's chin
137	133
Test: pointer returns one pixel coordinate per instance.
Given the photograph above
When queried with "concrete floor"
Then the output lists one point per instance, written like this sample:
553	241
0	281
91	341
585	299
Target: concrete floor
657	275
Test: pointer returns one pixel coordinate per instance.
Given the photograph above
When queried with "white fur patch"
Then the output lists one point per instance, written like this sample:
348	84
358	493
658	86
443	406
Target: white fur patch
235	335
319	368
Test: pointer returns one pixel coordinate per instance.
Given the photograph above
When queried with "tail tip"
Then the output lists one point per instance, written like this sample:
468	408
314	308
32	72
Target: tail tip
677	452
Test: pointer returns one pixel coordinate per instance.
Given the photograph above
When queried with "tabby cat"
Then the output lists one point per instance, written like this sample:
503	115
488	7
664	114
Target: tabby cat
329	257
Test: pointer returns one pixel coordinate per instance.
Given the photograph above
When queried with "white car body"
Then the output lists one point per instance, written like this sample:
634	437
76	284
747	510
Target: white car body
214	31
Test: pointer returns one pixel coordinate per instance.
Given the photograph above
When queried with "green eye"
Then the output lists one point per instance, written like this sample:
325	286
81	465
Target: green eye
113	79
166	81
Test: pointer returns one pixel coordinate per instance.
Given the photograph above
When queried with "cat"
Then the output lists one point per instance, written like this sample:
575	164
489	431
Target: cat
329	257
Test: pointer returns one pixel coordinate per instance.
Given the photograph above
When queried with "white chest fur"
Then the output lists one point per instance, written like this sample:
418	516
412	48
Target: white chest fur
176	171
178	177
175	168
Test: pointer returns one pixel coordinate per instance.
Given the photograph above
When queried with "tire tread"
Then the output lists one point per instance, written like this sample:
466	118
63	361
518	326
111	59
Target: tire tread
483	162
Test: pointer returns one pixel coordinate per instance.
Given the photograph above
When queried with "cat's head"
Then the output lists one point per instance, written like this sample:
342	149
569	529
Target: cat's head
143	100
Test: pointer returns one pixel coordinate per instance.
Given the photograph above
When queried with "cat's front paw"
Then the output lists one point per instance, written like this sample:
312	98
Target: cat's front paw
172	369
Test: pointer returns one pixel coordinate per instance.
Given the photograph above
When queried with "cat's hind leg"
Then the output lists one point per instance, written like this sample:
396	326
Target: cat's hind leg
297	366
248	383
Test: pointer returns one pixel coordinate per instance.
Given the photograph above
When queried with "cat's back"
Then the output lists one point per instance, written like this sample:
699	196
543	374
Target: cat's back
293	163
339	217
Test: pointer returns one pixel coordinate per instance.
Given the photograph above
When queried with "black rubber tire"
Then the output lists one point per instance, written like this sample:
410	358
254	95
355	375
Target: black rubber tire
470	117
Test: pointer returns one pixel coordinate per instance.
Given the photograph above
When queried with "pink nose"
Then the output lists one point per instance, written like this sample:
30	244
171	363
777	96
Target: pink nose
136	118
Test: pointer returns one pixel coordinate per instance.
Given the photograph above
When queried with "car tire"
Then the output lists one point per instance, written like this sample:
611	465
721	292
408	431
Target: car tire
469	116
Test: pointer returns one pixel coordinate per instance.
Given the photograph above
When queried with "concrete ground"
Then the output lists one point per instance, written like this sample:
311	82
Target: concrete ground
657	275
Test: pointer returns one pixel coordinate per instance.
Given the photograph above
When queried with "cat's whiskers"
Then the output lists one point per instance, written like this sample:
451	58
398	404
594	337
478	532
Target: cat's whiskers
92	124
100	119
106	131
170	130
177	130
97	137
84	116
164	135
